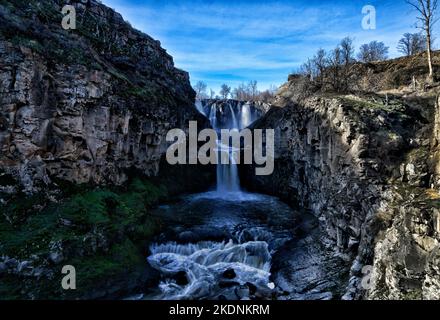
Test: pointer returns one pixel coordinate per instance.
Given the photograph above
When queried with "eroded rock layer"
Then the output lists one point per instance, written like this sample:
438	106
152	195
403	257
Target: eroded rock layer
361	164
84	105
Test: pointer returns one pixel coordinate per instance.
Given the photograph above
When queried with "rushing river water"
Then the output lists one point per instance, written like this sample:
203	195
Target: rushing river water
220	244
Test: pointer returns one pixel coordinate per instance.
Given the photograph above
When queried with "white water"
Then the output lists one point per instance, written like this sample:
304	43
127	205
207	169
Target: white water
205	263
227	175
246	117
240	263
199	107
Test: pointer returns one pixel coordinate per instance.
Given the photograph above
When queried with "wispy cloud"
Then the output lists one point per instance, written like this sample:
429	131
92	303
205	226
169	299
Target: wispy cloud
224	41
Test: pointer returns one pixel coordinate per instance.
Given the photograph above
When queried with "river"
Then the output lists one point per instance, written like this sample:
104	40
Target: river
221	244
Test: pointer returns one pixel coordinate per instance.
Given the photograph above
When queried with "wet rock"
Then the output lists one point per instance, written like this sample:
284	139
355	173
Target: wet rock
3	267
252	288
24	266
242	292
228	284
56	252
181	278
88	120
229	274
11	263
339	158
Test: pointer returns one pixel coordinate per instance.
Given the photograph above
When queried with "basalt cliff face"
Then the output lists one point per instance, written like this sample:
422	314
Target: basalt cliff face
85	105
366	166
84	115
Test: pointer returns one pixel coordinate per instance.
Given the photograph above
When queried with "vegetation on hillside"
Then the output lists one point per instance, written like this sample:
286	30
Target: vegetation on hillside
100	231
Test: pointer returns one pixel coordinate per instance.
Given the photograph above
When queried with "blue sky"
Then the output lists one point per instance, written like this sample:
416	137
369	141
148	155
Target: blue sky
237	41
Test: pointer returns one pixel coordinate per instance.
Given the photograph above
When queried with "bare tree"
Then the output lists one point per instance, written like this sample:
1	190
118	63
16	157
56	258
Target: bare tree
336	62
347	51
225	91
427	10
241	93
200	89
347	56
373	51
211	93
412	43
418	43
308	69
253	89
319	66
404	45
268	95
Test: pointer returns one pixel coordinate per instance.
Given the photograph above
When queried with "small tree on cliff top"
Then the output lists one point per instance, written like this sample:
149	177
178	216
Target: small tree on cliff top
225	91
373	51
200	89
412	43
427	10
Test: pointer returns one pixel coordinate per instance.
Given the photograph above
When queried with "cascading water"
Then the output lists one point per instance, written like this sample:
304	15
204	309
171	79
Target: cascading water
235	124
199	107
227	174
220	244
246	116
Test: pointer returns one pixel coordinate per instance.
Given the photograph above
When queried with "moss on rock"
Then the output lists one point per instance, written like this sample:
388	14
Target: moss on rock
103	233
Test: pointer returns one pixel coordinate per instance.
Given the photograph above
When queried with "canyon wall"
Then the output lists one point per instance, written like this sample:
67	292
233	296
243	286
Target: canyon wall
86	105
361	165
84	115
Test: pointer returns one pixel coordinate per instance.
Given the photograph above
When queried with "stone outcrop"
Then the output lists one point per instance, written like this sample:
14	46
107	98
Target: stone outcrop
407	252
403	74
82	112
85	105
360	164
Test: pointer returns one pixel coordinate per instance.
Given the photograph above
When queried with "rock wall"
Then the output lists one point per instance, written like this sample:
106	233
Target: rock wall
81	112
344	158
407	250
84	105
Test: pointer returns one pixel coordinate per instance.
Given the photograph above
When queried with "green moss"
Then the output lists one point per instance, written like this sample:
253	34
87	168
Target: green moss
121	216
418	155
19	209
27	42
89	209
123	258
10	288
413	295
145	94
362	104
151	192
32	235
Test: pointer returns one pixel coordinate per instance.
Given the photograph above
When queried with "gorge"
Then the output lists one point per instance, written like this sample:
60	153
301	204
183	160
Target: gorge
225	246
84	179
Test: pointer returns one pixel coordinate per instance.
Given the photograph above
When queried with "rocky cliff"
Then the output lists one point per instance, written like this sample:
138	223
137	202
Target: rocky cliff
84	105
83	119
362	165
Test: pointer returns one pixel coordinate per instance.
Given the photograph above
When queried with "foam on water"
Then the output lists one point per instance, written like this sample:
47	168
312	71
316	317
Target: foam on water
205	264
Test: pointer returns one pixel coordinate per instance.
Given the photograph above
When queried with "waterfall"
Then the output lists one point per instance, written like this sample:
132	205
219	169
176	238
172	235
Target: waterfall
227	174
228	115
234	118
213	116
199	107
246	117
